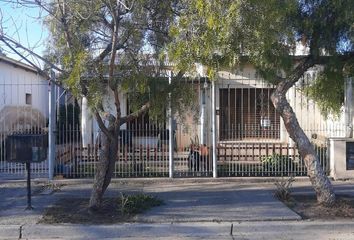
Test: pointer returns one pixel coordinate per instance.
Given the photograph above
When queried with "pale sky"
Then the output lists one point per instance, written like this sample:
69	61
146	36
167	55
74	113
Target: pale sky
24	25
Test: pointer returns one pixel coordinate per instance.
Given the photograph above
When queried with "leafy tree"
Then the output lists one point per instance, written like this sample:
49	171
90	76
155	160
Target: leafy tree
219	33
103	48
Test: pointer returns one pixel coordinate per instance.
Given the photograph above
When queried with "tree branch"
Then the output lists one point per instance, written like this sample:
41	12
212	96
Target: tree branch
306	62
106	22
118	110
126	7
40	71
296	74
113	54
135	115
342	58
108	49
179	75
64	23
6	40
100	123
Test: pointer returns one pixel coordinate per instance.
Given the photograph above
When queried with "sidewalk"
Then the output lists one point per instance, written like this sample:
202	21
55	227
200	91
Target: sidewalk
185	201
194	209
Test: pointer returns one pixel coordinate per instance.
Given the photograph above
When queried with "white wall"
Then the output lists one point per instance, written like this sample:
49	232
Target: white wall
310	117
15	82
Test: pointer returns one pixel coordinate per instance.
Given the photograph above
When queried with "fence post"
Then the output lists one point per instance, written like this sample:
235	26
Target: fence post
170	136
86	123
213	128
51	132
348	107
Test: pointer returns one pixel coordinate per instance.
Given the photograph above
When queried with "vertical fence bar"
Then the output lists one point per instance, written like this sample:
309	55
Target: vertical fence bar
170	137
213	124
51	134
348	107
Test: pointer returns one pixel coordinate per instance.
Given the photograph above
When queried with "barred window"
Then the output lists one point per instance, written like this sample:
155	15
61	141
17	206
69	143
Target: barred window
248	113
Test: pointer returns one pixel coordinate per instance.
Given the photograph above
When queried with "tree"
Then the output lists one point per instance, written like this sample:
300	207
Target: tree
105	48
265	33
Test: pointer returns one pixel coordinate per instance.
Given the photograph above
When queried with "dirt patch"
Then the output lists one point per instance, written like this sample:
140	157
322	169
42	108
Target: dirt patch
308	208
113	210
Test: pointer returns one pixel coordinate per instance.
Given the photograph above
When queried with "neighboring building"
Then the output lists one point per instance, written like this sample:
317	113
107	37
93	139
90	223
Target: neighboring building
23	97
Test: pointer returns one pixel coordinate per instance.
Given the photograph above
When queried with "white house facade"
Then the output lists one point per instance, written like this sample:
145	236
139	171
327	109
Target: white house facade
23	97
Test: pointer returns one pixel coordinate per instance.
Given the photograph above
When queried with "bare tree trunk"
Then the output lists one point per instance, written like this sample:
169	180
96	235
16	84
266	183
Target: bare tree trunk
319	180
104	170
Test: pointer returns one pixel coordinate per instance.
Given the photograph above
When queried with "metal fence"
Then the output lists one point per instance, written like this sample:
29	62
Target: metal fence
251	140
143	152
265	159
148	156
139	155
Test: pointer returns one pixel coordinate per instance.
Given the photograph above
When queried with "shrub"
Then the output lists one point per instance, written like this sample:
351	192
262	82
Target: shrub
133	204
278	163
283	190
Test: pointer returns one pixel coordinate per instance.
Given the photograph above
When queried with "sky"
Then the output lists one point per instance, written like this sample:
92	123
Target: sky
24	25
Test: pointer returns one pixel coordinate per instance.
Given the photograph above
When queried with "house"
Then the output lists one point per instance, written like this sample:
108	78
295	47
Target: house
245	135
248	130
23	97
23	102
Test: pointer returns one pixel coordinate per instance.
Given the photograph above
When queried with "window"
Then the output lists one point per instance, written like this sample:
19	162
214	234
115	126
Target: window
248	113
28	99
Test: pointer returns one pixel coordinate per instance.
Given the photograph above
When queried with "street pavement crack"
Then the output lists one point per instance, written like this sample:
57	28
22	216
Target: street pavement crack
20	232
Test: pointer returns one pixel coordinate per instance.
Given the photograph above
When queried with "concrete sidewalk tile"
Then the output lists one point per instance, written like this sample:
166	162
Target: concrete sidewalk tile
10	231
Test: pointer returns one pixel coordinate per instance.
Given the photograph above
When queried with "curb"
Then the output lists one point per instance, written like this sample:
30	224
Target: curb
244	180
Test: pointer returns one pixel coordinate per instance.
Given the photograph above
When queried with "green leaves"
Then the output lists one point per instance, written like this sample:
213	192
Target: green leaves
217	33
327	89
81	36
156	90
75	76
221	33
202	34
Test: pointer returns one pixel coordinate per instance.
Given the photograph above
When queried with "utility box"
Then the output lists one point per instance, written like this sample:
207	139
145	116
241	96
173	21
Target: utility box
342	158
26	148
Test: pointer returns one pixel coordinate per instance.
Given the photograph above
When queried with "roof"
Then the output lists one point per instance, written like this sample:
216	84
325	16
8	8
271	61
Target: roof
17	64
